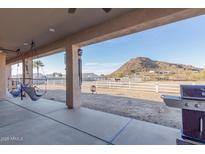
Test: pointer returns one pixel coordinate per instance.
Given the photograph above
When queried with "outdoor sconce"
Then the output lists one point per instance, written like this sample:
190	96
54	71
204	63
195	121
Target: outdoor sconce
80	52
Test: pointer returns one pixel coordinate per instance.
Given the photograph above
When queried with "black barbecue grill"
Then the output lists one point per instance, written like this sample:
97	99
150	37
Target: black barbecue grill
192	103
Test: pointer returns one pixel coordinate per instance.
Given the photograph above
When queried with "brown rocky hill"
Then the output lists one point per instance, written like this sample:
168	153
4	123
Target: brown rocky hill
145	65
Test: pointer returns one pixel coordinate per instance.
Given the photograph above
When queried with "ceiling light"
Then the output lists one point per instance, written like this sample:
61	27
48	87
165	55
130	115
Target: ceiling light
107	10
25	43
51	30
71	10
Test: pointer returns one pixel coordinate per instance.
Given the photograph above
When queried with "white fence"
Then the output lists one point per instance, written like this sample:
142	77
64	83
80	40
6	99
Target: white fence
140	86
158	87
56	81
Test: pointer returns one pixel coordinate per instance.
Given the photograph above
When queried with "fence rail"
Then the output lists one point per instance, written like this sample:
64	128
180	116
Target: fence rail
153	86
158	87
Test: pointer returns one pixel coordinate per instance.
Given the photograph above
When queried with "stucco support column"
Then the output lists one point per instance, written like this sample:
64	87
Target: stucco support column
8	76
2	76
73	85
27	70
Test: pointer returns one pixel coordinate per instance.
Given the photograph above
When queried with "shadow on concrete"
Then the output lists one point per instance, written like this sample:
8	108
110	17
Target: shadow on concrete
140	109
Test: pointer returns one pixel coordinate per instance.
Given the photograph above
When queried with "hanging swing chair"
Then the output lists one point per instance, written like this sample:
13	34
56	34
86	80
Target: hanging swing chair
16	92
32	90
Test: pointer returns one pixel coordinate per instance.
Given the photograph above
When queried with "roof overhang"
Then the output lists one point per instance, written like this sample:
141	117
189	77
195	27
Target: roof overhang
85	27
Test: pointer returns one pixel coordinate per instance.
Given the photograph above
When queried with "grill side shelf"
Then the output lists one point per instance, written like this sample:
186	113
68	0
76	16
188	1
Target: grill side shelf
172	101
189	104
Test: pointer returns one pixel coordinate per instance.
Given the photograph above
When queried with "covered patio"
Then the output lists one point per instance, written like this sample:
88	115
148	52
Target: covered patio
49	122
55	30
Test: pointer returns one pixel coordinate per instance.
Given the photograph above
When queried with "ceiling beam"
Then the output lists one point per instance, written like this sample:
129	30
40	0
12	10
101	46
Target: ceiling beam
133	21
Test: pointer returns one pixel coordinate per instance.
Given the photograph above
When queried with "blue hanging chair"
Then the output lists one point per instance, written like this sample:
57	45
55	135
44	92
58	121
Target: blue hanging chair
31	91
16	92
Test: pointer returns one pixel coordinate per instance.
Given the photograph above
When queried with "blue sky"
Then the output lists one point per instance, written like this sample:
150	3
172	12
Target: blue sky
180	42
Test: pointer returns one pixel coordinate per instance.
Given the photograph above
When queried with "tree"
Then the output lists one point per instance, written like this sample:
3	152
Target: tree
37	64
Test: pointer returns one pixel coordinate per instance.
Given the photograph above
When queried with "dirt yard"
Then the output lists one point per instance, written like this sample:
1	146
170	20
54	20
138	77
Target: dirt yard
146	106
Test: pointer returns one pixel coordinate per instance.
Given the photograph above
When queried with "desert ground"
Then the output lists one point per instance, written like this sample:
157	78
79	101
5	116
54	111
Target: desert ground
146	106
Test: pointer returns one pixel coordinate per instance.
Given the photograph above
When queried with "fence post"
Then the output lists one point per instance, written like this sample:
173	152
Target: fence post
96	83
193	83
129	84
109	84
156	87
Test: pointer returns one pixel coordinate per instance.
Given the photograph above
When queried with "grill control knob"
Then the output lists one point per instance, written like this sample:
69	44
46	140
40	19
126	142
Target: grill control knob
196	105
186	104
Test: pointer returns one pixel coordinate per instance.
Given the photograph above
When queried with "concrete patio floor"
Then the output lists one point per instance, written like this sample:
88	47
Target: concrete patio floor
50	122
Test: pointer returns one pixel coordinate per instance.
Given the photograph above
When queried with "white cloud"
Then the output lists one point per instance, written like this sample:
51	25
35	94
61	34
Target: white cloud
100	68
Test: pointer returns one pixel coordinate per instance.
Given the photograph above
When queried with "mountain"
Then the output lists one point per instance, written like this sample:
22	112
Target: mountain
144	65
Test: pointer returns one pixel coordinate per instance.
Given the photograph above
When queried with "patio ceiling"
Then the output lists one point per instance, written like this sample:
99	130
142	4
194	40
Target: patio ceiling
19	26
86	26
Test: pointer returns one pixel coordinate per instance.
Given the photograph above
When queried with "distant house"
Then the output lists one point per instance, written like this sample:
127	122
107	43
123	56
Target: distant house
90	77
35	75
165	72
55	75
151	71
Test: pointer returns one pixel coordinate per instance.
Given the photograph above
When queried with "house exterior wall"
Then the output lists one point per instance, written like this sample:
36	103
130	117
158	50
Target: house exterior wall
3	76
